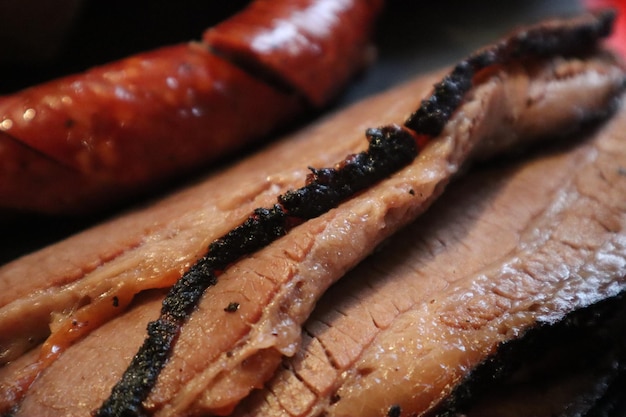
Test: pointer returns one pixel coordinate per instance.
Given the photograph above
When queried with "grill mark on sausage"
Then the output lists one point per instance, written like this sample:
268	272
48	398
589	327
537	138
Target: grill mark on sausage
390	149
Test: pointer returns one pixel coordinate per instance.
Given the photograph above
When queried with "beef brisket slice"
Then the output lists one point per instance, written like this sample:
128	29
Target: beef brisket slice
501	252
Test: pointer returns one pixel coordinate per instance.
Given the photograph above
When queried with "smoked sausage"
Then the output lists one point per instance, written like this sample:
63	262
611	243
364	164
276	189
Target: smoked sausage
79	143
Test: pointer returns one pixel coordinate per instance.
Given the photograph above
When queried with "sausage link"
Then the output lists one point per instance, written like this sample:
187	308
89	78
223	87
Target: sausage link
131	124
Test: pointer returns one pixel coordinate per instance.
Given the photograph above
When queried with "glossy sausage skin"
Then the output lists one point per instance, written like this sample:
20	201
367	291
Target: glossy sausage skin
130	123
127	125
312	46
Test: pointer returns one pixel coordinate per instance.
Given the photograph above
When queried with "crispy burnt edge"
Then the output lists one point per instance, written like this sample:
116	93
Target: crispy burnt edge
390	149
588	341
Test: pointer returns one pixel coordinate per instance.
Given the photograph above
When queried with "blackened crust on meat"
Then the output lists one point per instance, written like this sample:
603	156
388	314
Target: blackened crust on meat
550	39
129	392
394	411
232	307
554	38
390	149
181	299
613	402
435	111
587	341
261	228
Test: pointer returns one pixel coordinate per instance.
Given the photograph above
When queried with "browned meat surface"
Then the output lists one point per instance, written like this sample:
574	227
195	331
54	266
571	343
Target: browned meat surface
500	252
251	317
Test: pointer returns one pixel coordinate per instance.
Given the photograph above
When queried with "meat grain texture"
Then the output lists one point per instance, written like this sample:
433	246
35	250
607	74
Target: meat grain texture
221	354
502	251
